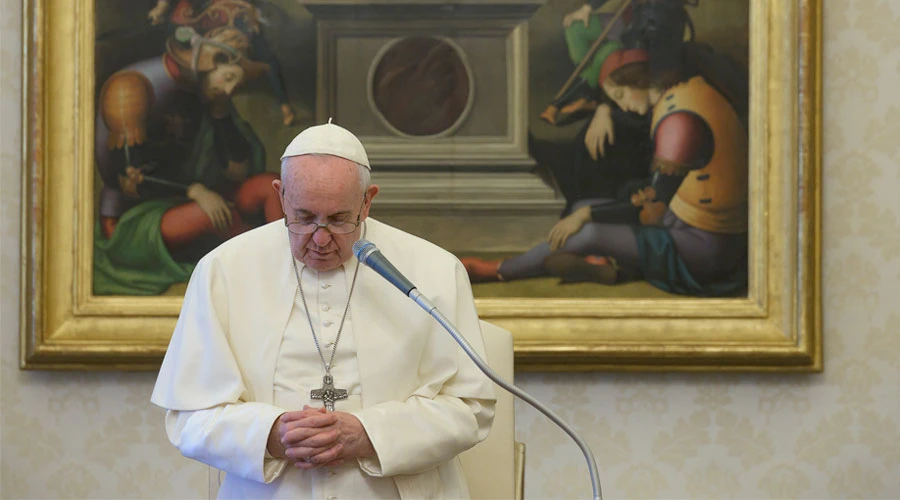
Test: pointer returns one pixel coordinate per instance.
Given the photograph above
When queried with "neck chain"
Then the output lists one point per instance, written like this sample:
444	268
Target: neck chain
337	339
328	393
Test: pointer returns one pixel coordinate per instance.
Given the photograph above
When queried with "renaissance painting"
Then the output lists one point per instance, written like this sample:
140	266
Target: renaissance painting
628	183
638	160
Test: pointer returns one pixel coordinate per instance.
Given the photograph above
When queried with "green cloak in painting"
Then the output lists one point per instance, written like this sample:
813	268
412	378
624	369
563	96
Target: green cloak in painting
135	260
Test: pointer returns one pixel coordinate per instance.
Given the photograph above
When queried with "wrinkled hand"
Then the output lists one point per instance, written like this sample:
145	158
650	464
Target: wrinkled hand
130	181
315	438
212	204
290	421
582	14
568	226
156	13
599	132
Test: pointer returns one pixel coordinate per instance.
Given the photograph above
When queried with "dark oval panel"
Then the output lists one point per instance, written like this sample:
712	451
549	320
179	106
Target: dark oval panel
421	86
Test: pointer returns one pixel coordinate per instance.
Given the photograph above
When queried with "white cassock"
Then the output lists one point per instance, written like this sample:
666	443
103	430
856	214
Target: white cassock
242	354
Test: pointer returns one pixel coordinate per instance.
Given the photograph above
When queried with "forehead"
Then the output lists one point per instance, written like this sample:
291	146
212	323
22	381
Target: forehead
321	179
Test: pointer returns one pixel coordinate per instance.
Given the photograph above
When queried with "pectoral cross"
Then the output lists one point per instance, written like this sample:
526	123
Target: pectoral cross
328	393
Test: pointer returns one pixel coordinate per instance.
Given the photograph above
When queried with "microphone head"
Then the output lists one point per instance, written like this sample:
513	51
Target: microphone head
362	249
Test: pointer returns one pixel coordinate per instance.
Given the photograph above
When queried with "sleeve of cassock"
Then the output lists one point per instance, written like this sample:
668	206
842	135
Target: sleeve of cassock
229	437
209	418
450	412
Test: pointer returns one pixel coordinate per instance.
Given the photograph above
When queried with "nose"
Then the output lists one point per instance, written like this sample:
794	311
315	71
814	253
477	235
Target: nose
321	237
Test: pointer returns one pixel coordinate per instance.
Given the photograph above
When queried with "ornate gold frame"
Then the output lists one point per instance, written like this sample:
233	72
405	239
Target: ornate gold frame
776	328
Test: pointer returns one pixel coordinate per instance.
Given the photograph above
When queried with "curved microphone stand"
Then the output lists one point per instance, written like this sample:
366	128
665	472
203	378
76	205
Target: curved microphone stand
426	304
366	253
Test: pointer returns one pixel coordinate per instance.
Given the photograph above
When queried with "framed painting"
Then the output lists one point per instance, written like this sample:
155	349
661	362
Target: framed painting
630	184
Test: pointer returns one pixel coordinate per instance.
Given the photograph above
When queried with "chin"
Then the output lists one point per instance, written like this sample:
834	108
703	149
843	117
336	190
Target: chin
319	265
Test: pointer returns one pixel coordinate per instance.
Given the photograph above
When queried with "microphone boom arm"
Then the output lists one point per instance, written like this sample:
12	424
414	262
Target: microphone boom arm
367	253
431	309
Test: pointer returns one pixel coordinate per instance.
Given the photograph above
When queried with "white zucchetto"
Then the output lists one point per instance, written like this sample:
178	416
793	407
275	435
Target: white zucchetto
328	139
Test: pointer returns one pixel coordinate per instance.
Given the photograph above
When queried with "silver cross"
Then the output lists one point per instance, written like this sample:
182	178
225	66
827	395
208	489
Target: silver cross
328	393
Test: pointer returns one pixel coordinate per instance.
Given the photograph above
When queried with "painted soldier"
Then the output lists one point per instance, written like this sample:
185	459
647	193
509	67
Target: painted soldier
611	151
181	170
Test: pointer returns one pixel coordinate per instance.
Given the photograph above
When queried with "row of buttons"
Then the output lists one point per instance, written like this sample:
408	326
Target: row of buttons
328	324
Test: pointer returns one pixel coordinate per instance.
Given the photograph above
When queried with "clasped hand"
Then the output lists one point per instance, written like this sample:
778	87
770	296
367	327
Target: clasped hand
314	437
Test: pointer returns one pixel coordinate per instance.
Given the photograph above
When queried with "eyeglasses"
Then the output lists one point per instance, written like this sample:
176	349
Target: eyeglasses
333	227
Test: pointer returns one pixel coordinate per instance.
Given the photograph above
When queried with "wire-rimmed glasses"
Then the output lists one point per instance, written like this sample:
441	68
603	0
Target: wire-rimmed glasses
333	227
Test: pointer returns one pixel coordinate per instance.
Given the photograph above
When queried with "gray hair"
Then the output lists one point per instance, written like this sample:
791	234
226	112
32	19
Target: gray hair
365	175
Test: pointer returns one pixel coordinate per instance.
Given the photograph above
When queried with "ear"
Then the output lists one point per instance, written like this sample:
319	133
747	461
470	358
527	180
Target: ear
278	186
371	192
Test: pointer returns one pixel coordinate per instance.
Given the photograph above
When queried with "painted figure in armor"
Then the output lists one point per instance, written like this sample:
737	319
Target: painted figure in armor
610	153
684	231
205	15
181	171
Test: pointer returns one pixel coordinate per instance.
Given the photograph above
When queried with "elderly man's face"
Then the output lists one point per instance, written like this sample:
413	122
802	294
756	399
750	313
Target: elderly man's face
323	189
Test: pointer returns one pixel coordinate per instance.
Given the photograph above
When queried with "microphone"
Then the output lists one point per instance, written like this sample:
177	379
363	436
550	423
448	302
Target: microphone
367	253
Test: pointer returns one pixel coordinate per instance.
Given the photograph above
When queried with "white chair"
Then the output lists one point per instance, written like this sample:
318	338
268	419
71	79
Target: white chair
495	467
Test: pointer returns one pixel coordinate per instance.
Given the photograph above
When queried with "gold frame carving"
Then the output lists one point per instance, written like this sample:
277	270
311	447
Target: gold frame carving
777	327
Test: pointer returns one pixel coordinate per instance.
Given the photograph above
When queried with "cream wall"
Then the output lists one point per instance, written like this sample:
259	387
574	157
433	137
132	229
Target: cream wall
834	435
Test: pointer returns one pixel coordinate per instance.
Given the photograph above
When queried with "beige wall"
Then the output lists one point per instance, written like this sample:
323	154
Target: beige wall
74	435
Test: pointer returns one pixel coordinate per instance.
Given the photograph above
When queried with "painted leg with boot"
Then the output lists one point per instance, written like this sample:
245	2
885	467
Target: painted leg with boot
597	253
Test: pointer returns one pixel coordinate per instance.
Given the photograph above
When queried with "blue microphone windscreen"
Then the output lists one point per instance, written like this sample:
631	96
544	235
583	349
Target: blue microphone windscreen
360	247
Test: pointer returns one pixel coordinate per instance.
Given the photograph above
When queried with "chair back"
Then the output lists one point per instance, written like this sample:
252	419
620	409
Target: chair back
493	466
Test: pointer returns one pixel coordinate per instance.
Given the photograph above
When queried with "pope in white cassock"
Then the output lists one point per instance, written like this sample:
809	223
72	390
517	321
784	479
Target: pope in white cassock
301	373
